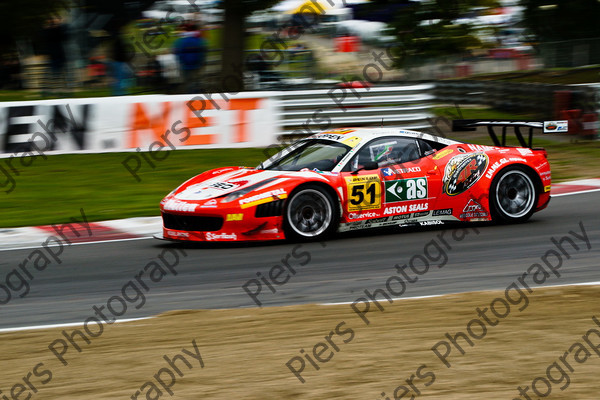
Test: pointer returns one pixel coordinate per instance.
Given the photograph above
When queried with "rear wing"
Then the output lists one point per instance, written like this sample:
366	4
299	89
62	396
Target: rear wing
547	126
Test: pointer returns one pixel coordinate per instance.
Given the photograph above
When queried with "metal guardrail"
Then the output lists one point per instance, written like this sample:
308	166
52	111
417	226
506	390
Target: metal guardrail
401	106
512	96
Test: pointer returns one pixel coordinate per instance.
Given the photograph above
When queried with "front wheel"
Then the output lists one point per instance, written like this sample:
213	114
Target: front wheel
513	195
311	214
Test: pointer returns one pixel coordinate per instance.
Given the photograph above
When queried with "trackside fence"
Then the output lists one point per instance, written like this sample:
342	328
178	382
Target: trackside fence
403	106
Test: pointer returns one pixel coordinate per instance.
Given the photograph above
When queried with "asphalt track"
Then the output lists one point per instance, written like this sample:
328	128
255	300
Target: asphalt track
339	270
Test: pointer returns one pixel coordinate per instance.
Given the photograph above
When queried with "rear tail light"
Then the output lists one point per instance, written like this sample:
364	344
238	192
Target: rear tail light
542	151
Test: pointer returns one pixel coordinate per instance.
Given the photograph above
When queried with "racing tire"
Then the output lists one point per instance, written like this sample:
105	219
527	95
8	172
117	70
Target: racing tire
311	213
513	195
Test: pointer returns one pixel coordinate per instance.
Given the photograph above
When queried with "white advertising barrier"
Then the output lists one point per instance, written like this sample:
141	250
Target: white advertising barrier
137	123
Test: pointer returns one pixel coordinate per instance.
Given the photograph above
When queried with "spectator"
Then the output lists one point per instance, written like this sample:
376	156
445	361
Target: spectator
170	70
10	73
56	35
121	71
96	71
190	50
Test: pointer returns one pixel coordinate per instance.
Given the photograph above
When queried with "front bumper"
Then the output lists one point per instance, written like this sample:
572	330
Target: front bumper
221	227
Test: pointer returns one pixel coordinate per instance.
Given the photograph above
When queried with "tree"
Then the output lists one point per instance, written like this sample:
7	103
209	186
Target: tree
427	29
234	32
556	20
23	20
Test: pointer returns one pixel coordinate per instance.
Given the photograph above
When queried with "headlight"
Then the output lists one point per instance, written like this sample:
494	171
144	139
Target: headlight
242	192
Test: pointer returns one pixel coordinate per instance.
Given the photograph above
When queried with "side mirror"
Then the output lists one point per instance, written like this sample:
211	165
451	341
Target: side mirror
367	166
370	165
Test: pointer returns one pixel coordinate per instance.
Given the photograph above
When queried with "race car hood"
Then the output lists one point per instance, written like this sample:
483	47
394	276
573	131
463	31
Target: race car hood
205	187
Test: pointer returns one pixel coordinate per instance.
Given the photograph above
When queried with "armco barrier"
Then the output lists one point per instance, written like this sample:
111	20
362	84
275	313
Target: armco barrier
308	110
514	96
212	120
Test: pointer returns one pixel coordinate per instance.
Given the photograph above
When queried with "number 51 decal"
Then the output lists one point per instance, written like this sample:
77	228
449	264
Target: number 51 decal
364	192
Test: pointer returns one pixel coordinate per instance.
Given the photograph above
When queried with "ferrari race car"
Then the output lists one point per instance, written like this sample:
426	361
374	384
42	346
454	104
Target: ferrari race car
349	179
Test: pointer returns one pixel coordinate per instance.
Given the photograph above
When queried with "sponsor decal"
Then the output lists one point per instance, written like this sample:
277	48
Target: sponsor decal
432	222
176	205
329	136
405	190
341	131
262	198
388	172
556	126
400	217
395	210
326	172
463	171
378	220
547	188
210	204
421	214
363	215
419	207
494	167
442	154
239	182
480	147
234	217
351	142
542	166
446	211
223	185
472	206
364	192
353	226
473	210
407	170
524	151
220	236
517	159
406	208
178	234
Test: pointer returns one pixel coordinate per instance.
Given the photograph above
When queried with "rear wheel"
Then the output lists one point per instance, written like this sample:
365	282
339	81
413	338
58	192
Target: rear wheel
513	195
311	213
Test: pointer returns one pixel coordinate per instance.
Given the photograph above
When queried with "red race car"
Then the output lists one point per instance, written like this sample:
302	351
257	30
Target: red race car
348	179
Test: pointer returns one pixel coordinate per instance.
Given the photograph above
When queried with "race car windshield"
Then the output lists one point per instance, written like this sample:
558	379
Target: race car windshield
322	155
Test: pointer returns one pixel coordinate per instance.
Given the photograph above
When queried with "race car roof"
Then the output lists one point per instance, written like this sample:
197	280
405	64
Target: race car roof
354	136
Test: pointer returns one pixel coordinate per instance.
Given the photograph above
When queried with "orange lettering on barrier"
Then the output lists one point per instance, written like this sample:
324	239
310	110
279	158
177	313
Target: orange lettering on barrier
192	121
241	125
141	122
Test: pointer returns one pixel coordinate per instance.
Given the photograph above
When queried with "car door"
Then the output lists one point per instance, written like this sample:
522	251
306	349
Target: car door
405	185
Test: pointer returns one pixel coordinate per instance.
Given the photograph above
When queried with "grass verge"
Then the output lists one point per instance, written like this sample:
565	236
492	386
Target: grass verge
51	191
245	351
